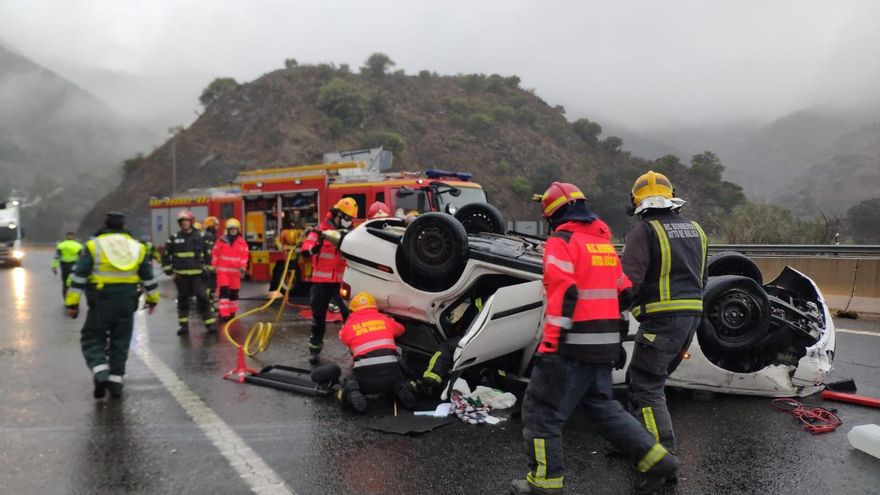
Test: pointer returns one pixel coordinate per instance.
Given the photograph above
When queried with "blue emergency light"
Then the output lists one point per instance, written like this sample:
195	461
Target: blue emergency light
439	174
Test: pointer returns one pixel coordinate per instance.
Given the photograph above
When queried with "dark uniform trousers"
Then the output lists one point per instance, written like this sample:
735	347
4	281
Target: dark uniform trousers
106	335
320	295
187	287
66	268
558	385
659	347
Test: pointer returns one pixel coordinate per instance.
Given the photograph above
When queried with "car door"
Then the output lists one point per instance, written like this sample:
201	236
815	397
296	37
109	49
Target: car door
510	320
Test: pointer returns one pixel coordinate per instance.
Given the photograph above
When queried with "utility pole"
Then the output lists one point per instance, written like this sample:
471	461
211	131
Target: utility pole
174	131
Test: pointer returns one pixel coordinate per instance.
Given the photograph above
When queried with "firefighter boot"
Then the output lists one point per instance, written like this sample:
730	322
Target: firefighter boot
183	330
406	394
351	394
314	357
662	473
114	385
100	379
523	487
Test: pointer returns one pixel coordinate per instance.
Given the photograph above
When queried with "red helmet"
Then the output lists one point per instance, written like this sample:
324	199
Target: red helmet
186	215
378	210
557	195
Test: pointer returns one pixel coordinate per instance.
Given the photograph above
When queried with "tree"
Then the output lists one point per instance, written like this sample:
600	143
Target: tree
339	99
612	143
377	64
864	221
544	175
216	89
391	141
290	63
588	131
707	166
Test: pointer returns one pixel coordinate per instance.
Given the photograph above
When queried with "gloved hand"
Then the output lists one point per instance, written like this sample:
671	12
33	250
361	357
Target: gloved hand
151	307
243	272
73	311
54	271
621	358
168	272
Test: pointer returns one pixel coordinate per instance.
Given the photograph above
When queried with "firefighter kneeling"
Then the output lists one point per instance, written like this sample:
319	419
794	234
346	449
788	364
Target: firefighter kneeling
370	335
581	342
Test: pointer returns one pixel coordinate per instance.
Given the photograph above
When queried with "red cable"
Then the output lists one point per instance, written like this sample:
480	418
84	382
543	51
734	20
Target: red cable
816	420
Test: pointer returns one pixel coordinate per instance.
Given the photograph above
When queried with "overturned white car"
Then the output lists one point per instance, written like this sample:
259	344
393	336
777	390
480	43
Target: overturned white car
774	339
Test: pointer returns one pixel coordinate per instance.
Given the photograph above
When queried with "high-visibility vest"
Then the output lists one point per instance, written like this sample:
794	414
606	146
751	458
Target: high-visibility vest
67	251
583	279
116	260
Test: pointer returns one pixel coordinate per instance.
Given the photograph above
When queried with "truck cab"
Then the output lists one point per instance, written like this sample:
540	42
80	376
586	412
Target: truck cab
11	252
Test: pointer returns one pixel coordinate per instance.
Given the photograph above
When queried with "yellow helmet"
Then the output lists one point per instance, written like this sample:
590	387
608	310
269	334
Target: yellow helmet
211	222
347	206
197	226
233	223
651	184
363	300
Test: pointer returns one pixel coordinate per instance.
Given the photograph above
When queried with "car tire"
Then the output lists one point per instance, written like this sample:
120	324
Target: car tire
736	314
733	263
433	252
481	217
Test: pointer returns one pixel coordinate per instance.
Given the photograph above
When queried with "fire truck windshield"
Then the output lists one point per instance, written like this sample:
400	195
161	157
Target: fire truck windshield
468	195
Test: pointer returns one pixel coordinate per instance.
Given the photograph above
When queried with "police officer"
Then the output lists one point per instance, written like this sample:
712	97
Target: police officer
66	254
184	259
109	270
376	369
327	268
580	344
665	258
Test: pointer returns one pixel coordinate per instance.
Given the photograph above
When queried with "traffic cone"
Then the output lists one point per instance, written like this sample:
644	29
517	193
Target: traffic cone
241	369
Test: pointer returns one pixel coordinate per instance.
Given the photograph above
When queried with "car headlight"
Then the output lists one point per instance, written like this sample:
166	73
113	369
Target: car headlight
18	254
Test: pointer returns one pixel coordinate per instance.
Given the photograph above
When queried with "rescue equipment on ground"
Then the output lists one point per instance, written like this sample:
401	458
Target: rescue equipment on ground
816	420
865	438
851	398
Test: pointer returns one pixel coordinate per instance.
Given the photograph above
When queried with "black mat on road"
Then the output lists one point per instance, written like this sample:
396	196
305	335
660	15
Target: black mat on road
406	424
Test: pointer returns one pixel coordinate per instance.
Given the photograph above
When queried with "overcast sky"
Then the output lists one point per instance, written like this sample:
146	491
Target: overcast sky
639	63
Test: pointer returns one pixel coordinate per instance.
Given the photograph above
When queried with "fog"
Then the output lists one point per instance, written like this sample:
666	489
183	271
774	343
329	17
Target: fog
642	64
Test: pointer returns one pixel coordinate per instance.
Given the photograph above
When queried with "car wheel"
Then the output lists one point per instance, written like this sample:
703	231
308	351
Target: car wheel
736	314
481	217
733	263
433	252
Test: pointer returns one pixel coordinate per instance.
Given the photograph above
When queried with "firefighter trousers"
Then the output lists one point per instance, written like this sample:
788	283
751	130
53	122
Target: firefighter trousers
659	347
189	286
106	334
440	362
66	268
320	297
557	386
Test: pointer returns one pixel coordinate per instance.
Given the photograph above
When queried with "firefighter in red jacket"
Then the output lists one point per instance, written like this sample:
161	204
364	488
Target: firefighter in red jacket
580	346
665	257
369	335
230	259
327	268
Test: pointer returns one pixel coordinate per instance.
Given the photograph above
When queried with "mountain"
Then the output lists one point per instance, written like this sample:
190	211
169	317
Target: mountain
59	145
510	139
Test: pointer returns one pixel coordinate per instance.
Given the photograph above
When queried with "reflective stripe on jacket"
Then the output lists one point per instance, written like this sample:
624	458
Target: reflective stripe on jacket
369	330
665	256
327	263
230	257
582	278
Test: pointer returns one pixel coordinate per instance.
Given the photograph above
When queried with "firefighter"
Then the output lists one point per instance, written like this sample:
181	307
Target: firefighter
458	320
369	335
109	270
209	276
378	210
230	259
665	258
66	254
580	345
184	260
327	268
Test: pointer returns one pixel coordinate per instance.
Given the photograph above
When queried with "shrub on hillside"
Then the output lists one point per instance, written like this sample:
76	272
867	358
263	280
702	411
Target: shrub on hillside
520	185
478	123
495	84
377	64
503	113
457	105
132	164
391	141
339	99
216	89
518	101
290	63
544	175
512	81
473	83
524	116
864	221
588	131
380	104
424	75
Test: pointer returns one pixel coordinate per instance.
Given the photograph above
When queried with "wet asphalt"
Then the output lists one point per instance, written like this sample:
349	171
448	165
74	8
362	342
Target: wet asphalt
55	438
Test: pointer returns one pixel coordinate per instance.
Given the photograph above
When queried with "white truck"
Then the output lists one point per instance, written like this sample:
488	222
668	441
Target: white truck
11	252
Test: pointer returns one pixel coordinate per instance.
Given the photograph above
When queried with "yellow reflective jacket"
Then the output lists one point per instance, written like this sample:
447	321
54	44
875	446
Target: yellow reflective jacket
66	251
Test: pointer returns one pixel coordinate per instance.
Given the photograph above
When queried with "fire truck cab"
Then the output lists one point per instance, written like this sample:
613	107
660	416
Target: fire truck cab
221	202
281	204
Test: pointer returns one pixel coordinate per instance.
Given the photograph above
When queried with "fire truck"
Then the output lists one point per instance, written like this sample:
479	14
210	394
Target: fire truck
294	199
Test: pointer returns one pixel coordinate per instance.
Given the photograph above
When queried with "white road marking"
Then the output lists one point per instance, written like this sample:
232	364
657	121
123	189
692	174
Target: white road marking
261	478
857	332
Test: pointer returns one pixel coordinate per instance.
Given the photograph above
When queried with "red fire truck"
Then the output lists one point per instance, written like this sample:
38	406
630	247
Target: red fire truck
271	201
